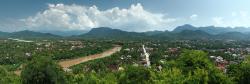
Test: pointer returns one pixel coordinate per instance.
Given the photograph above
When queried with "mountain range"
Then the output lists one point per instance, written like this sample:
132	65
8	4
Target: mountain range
26	34
212	29
108	33
181	32
187	32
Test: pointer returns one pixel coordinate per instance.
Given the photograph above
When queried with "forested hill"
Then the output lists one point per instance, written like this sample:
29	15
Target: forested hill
185	32
26	34
109	33
180	33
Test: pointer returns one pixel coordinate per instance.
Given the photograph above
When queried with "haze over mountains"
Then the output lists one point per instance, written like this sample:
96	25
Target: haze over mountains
181	32
212	29
27	34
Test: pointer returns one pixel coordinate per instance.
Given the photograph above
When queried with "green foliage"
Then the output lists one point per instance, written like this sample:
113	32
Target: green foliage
14	53
3	72
199	69
92	78
241	72
155	57
218	77
42	70
7	77
199	76
194	59
135	75
189	67
169	76
245	72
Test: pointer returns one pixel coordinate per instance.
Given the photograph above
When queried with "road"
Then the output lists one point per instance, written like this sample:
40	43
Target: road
71	62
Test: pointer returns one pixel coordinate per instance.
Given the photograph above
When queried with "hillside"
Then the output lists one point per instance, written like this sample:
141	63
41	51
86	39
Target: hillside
180	33
26	34
187	32
108	33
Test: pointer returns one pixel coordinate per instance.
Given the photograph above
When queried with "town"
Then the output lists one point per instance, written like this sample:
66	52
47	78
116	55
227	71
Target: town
156	55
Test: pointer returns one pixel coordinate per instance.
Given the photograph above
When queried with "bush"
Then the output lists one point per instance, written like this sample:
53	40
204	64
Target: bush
42	70
7	77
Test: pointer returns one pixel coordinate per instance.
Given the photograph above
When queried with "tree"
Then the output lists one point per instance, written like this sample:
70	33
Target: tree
42	70
193	59
135	75
155	57
170	76
199	69
199	76
7	77
218	77
240	72
3	74
244	77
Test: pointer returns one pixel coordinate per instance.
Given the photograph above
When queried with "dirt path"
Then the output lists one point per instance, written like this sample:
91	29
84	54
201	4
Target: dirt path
71	62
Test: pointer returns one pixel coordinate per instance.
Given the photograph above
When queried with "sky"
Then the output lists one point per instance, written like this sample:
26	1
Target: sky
128	15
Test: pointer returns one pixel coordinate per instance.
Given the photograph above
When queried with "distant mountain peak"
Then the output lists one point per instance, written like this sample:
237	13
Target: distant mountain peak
184	27
109	33
31	34
187	25
103	30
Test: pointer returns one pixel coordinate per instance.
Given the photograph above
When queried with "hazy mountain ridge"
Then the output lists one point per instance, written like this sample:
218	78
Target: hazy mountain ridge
66	33
27	34
233	35
180	32
150	33
109	33
212	29
3	33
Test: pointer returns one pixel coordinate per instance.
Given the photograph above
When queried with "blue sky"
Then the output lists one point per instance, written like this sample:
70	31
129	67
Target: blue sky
130	15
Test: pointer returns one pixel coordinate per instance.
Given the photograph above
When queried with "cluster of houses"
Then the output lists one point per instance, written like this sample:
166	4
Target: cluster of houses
20	40
144	55
76	45
173	50
236	55
220	62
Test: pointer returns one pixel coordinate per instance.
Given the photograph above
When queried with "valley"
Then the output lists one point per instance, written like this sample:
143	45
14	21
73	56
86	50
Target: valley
120	58
124	42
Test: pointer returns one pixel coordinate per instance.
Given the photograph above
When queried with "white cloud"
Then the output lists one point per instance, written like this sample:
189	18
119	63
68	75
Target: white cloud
234	14
238	18
243	13
218	20
193	17
76	17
